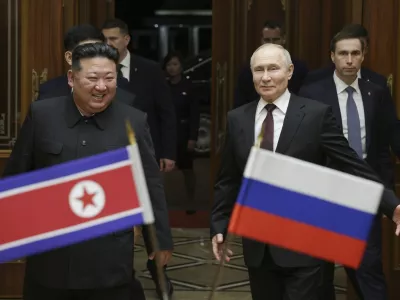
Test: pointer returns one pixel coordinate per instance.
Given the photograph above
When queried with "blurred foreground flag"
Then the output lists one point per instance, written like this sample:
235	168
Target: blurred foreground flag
72	202
304	207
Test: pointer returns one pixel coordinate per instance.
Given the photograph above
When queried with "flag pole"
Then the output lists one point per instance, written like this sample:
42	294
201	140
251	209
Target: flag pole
228	239
151	229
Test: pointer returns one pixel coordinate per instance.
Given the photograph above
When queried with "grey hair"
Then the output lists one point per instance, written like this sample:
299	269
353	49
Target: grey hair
285	53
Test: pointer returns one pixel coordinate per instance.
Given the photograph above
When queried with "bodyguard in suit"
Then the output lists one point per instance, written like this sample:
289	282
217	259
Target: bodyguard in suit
147	81
75	36
356	31
364	115
245	92
85	123
293	126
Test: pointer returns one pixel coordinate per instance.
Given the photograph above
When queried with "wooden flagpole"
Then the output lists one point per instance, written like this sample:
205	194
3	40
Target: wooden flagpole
151	229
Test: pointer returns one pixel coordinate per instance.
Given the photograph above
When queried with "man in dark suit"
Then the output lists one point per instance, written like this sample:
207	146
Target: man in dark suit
293	126
85	123
58	87
75	36
374	116
272	32
147	81
357	31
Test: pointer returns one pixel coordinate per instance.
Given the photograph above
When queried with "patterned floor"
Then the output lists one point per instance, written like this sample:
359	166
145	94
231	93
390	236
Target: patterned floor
192	269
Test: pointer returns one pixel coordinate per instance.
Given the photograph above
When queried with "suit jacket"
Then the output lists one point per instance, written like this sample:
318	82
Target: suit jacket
309	133
55	132
58	86
245	91
147	81
377	109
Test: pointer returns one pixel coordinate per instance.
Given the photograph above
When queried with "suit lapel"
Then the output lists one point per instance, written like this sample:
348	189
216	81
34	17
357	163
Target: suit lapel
333	100
294	117
368	103
248	124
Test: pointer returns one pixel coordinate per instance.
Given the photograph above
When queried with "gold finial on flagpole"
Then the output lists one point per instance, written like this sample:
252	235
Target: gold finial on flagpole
130	133
260	137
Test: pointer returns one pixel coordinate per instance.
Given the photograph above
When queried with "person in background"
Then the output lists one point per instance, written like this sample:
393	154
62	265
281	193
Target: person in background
58	86
188	118
271	33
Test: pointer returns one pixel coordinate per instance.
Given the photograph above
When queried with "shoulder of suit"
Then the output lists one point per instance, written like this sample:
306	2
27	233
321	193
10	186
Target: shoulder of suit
309	104
126	111
55	81
144	61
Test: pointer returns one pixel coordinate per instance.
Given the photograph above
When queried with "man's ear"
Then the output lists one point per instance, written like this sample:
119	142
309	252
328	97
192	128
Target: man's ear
70	75
68	57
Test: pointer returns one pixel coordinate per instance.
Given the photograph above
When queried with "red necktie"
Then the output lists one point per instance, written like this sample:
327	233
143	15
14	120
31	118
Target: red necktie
268	129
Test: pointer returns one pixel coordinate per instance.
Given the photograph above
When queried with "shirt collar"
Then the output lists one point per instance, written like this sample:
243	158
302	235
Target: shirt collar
127	60
342	86
281	103
73	115
359	74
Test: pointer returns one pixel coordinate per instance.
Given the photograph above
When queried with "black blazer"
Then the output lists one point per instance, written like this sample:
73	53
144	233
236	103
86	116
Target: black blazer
378	111
58	86
245	91
52	133
147	81
309	133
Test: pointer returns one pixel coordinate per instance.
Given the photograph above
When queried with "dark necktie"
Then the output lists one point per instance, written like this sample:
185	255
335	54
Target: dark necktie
353	123
268	129
119	71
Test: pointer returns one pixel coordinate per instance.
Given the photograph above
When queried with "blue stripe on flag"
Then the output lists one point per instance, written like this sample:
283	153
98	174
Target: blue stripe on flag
64	169
71	238
306	209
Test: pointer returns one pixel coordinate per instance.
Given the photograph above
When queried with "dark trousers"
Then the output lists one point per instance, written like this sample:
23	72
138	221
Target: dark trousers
137	292
34	291
368	280
272	282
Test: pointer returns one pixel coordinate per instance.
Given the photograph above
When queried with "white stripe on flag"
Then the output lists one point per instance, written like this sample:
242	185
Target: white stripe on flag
140	182
310	179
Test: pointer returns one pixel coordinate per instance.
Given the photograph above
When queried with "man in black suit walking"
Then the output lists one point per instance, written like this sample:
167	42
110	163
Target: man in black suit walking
75	36
85	123
148	82
58	87
367	129
293	126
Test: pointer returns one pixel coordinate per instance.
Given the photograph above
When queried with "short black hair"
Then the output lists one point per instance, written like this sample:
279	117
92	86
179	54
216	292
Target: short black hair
93	50
80	33
116	23
357	30
170	56
345	35
274	25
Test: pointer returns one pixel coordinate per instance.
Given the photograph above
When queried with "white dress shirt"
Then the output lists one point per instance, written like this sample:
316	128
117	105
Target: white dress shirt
126	65
342	97
278	113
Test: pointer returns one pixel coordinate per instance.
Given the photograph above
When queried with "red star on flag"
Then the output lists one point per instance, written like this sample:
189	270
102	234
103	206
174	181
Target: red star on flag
87	198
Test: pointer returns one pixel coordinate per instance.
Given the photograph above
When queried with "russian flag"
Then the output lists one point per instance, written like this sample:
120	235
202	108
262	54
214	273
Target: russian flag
304	207
72	202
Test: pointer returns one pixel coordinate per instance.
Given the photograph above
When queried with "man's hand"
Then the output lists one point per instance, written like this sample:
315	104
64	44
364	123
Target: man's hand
218	247
163	256
166	165
396	219
191	145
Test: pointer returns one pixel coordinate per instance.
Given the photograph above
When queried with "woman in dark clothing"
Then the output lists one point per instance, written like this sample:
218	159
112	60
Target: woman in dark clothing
188	118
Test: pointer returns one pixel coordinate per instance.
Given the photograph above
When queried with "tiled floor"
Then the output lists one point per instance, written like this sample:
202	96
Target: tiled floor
192	270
